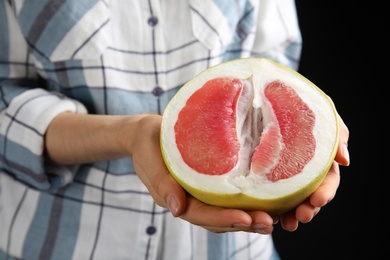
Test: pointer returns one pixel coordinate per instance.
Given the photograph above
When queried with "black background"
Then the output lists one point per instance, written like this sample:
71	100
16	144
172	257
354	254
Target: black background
342	55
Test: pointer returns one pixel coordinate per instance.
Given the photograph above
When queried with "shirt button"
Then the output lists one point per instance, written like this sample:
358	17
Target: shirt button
151	230
157	91
152	21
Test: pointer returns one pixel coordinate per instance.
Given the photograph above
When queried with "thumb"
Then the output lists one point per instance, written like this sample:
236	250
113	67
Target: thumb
342	155
164	189
174	195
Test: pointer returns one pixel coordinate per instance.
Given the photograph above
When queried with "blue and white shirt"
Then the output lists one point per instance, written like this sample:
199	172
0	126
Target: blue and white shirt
114	57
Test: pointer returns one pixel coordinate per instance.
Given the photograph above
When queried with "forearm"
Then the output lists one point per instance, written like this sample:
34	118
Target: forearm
78	138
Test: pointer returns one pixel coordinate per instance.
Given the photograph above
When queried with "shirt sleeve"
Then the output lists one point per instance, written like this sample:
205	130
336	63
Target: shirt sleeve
278	36
26	110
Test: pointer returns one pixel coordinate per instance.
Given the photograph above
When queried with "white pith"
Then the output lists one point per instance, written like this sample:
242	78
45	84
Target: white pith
258	73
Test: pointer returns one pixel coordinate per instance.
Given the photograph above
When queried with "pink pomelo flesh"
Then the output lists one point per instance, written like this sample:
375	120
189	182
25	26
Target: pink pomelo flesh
296	122
206	127
208	140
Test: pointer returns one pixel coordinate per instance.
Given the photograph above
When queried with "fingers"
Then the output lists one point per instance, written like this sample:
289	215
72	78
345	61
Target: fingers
342	155
171	194
202	214
262	223
328	188
288	221
164	188
219	220
306	211
323	195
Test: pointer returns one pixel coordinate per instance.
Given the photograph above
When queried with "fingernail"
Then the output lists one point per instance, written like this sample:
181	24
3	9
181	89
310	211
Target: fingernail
346	154
173	205
316	211
260	231
260	228
240	225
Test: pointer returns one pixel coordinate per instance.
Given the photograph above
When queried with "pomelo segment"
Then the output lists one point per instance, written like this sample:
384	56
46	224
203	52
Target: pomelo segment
296	121
250	134
207	138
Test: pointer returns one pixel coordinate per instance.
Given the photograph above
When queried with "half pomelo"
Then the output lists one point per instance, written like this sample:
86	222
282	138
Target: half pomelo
250	134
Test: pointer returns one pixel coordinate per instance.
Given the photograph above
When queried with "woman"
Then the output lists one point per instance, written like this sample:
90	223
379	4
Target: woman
83	85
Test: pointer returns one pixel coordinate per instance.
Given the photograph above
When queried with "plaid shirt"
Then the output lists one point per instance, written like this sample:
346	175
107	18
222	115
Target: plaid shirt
114	57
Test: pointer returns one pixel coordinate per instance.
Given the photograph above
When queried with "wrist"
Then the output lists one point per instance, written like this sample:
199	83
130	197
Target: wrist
146	129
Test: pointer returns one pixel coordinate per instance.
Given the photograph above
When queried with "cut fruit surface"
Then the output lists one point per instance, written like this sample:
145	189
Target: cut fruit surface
250	134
